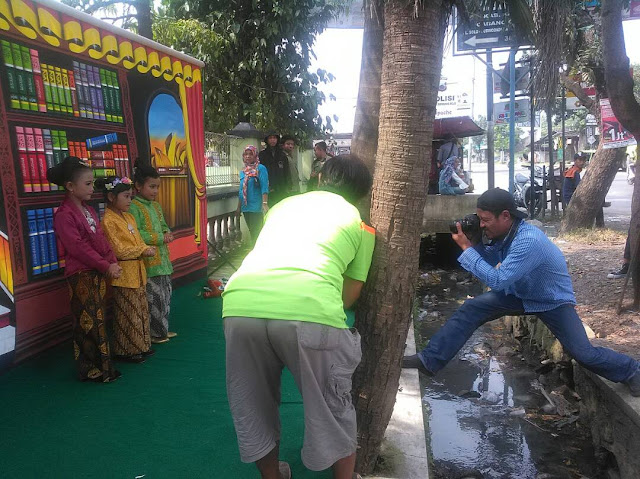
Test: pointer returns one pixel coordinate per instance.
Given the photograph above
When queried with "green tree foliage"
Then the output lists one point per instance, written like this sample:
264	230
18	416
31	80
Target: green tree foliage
500	138
576	120
258	55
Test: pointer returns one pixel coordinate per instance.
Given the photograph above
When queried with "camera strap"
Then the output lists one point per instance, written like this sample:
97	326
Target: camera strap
506	243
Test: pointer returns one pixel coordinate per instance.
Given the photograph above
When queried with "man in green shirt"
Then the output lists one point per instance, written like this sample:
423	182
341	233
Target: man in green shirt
285	307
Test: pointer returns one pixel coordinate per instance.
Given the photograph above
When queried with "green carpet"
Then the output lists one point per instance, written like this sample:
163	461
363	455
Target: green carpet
166	418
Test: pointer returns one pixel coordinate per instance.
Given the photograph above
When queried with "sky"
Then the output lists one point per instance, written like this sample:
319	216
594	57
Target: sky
165	116
339	51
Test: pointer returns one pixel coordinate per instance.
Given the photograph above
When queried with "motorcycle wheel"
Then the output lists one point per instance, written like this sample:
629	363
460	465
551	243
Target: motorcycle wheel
537	208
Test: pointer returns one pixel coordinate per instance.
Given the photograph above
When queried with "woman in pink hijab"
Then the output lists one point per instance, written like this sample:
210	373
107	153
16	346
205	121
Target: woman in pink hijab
254	192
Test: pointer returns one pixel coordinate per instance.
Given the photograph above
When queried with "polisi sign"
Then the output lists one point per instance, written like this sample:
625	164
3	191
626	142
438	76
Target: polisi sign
452	100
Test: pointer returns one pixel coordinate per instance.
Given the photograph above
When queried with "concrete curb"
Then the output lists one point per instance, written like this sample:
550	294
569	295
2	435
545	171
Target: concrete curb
619	394
613	416
404	449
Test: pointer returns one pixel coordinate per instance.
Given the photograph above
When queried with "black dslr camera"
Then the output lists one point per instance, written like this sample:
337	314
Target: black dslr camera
470	225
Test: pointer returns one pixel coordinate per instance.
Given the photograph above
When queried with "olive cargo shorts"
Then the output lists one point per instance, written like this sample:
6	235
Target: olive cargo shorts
322	360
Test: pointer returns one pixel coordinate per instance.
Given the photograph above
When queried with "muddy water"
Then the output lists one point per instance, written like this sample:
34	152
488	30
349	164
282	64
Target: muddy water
485	417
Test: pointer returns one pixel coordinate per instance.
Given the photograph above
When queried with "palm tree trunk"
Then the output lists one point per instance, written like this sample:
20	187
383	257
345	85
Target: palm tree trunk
364	142
410	77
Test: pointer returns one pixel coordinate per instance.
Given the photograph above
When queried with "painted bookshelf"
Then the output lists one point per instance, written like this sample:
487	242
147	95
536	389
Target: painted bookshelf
71	85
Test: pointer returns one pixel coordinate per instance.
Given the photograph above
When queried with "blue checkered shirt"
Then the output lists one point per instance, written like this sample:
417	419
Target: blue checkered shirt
531	268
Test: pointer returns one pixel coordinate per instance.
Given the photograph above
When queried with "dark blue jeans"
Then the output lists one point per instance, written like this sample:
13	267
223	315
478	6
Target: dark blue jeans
563	322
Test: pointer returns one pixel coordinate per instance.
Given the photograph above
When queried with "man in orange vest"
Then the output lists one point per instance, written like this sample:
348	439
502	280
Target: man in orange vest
572	177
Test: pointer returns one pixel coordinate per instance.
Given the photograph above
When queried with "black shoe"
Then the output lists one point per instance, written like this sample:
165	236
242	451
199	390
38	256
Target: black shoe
621	273
634	384
413	362
146	354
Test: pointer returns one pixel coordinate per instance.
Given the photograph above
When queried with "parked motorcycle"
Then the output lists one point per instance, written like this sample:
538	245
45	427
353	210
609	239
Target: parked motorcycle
523	193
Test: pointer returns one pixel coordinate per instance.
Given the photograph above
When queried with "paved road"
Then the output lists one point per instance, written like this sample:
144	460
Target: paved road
617	216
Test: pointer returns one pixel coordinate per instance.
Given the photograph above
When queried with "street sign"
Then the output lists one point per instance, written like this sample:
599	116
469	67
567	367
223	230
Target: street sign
453	100
487	29
522	111
573	103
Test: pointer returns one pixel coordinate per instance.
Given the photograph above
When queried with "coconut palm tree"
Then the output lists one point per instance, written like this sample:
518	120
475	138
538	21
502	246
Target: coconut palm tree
410	75
409	60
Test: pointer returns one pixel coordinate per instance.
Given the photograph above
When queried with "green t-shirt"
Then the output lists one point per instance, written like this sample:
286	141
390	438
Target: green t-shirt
295	272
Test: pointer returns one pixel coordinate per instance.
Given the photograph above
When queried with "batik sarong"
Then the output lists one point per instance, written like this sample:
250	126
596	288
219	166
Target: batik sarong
131	321
159	291
90	342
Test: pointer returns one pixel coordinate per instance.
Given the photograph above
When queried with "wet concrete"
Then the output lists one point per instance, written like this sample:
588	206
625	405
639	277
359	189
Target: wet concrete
486	414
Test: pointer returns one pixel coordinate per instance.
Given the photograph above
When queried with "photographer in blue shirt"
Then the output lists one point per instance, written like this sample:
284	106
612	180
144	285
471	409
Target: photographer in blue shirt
527	273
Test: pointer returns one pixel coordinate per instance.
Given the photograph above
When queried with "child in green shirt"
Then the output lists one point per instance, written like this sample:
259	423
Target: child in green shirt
155	232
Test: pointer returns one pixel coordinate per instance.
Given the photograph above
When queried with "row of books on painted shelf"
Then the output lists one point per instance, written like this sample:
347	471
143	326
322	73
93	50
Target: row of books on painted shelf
46	255
82	92
6	273
40	149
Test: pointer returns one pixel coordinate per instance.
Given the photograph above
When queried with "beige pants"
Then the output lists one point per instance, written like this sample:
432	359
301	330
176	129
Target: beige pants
322	360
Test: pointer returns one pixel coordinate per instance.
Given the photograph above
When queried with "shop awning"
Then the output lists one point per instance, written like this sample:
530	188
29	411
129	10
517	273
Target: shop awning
458	126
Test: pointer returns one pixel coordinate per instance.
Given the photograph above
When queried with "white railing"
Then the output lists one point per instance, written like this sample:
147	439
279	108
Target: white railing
221	169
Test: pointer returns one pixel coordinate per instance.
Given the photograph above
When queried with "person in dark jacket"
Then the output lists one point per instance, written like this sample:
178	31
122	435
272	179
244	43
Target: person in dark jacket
572	177
321	154
277	164
288	146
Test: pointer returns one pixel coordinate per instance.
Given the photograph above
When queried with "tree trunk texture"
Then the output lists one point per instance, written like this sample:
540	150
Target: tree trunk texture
365	127
625	106
577	213
410	77
143	15
634	233
575	88
616	67
587	200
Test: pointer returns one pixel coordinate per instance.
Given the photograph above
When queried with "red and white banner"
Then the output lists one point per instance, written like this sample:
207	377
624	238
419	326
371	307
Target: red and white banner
613	133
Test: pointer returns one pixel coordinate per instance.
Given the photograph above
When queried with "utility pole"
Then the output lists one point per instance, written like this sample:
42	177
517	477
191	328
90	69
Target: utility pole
564	144
552	176
532	140
473	103
490	164
512	117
